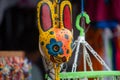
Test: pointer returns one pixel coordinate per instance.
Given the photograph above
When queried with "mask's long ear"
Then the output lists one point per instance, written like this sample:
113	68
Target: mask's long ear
45	15
66	14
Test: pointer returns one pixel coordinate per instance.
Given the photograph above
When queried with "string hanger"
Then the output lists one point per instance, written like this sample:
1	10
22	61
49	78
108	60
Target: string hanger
82	7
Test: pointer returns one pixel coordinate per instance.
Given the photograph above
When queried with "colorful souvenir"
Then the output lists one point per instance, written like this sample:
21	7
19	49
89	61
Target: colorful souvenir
55	29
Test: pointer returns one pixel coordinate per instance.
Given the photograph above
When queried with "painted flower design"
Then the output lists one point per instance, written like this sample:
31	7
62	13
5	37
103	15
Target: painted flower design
55	47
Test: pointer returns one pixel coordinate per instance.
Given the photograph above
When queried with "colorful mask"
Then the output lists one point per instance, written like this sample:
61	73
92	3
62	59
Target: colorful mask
55	30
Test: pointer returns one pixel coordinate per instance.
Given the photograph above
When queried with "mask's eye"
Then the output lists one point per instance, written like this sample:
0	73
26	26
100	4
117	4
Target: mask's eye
56	48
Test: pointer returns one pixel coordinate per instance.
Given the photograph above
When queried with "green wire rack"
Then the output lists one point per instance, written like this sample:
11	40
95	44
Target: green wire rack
90	74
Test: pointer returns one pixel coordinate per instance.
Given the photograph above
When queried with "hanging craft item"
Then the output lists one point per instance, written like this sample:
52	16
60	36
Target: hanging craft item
84	19
55	29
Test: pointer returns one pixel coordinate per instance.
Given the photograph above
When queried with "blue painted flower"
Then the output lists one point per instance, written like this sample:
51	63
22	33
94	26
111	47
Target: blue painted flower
55	47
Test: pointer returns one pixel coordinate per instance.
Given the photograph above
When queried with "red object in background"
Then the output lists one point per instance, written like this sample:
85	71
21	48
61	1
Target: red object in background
117	44
118	59
99	10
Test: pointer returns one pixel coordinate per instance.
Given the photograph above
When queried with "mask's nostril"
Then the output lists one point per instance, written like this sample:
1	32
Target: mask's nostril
64	59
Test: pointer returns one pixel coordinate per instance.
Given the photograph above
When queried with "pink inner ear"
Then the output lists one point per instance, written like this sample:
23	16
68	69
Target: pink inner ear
45	17
67	18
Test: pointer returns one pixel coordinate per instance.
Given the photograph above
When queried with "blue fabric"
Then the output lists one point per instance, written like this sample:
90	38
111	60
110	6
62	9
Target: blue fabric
106	24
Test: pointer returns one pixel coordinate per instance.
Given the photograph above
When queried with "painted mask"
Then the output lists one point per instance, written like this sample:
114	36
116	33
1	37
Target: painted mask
55	34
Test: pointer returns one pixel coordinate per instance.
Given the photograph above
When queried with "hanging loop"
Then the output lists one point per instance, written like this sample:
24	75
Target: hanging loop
82	18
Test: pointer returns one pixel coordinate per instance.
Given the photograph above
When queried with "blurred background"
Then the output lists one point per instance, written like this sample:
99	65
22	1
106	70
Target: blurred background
18	31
